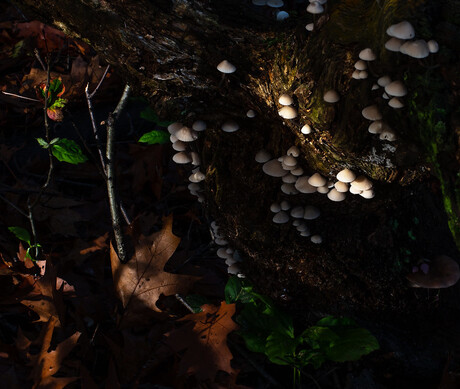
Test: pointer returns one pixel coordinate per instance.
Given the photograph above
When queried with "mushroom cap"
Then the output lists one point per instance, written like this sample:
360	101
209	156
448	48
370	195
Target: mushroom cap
281	15
368	194
354	190
289	189
376	127
196	177
302	227
385	96
346	175
294	151
443	273
285	99
375	86
186	134
317	180
335	195
360	65
251	114
395	103
367	55
311	212
306	129
289	179
222	253
315	8
433	46
305	233
226	67
174	127
275	3
415	49
384	81
396	88
355	75
394	44
331	96
230	126
275	207
310	27
199	125
402	30
298	171
182	157
178	145
287	112
387	134
362	183
285	205
341	187
303	186
262	156
362	74
317	239
274	169
281	217
234	269
289	160
322	189
372	113
173	138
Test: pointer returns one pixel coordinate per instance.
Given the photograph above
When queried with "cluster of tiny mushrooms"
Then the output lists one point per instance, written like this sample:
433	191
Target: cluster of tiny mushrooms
294	180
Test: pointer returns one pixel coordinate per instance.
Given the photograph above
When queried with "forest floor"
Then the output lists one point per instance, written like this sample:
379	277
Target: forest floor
71	314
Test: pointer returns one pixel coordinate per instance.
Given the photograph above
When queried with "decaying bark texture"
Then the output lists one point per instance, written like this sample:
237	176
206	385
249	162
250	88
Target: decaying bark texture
168	50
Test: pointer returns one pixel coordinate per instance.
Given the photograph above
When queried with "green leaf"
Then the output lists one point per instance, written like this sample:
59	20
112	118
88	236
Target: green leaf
58	103
21	234
319	337
255	341
67	150
150	115
155	137
352	345
43	143
331	321
235	290
280	349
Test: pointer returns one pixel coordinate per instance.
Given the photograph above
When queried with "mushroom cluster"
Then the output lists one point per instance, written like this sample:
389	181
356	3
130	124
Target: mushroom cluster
232	259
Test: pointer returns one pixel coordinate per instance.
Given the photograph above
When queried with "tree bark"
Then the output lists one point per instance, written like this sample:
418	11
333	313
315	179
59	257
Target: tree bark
168	50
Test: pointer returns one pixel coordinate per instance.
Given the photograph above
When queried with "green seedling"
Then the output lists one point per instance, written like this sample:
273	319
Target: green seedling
23	235
65	150
266	329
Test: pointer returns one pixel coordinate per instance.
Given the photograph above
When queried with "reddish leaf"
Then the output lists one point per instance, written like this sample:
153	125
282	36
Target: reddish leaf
204	340
140	282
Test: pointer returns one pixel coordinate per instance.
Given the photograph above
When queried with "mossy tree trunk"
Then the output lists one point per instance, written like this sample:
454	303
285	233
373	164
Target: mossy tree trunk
168	51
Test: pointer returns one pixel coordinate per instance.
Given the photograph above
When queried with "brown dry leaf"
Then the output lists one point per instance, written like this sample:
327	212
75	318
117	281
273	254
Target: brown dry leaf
47	38
98	244
140	282
205	342
45	300
47	364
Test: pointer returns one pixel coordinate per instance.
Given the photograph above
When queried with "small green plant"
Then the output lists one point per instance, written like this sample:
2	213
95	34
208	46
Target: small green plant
266	329
55	103
65	150
23	235
155	136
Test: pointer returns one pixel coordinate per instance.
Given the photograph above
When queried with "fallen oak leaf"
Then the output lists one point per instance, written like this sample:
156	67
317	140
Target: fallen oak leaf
141	281
47	363
205	335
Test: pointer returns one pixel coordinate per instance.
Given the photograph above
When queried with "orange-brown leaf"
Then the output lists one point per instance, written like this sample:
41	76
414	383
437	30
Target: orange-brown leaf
205	340
48	363
140	282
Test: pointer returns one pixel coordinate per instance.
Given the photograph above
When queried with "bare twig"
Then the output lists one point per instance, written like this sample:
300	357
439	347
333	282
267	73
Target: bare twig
122	103
91	95
32	227
39	58
184	303
19	96
14	206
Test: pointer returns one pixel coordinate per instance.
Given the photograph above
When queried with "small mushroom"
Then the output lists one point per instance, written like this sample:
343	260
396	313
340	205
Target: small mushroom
346	175
306	129
230	126
443	273
367	55
335	195
262	156
396	88
316	239
288	112
181	158
274	168
415	49
394	44
402	30
311	212
285	99
251	114
331	96
372	113
186	134
199	125
317	180
281	217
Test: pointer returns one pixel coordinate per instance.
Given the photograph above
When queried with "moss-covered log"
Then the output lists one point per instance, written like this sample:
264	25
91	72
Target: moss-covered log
168	50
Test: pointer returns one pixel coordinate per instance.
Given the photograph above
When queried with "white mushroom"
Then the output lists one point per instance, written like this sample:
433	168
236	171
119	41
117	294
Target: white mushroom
315	8
322	189
341	187
230	126
360	65
262	156
294	151
372	113
316	239
285	99
376	127
395	103
251	114
199	125
297	212
402	30
274	168
281	15
317	180
346	175
275	207
281	217
310	27
289	189
335	195
367	55
362	183
181	158
285	205
331	96
384	81
394	44
311	212
433	46
226	67
287	112
306	129
303	186
368	194
178	145
186	134
415	49
289	179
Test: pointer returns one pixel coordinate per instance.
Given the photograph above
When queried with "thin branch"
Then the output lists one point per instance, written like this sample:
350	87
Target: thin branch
32	227
19	96
91	95
39	58
114	209
122	103
14	206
